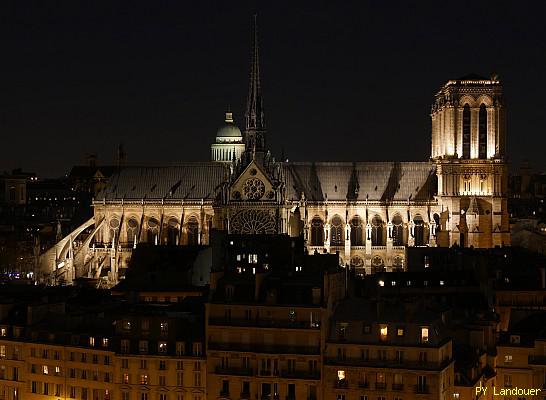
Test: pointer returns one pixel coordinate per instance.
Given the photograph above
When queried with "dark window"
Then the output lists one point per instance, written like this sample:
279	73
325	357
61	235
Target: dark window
193	231
317	232
377	231
466	131
172	232
357	238
482	132
397	231
419	230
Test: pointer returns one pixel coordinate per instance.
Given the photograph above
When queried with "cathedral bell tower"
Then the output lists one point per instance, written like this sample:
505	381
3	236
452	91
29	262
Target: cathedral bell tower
468	146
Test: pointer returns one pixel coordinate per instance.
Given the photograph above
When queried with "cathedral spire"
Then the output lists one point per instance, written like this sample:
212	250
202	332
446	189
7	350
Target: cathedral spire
254	116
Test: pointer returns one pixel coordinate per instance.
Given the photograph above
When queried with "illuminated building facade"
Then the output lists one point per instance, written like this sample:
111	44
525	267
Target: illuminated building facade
368	212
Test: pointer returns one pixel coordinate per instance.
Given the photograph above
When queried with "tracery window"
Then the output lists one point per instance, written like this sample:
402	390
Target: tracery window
253	221
377	264
357	262
377	231
466	131
317	232
114	225
153	230
336	231
482	132
132	230
357	231
397	230
172	231
419	230
193	231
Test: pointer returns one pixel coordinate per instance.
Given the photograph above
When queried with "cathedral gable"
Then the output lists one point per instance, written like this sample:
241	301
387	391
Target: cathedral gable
252	185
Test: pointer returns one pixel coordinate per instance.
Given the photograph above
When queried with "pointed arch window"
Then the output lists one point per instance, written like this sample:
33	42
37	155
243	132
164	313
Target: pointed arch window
336	231
132	230
172	232
357	231
482	132
397	230
152	231
377	231
317	232
466	131
419	230
193	231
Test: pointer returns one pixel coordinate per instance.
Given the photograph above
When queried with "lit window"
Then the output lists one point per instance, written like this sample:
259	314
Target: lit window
340	375
3	332
508	359
408	283
164	327
441	283
57	370
162	347
126	378
381	283
400	332
424	335
393	283
92	341
45	370
105	342
127	325
143	379
383	332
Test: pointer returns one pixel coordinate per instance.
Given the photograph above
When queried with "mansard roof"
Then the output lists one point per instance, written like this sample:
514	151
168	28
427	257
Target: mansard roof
375	181
186	181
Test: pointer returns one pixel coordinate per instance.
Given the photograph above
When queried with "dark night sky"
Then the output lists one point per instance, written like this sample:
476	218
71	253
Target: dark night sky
342	80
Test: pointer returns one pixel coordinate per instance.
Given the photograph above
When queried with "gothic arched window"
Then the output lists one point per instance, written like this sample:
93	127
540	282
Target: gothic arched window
152	231
437	221
419	230
336	231
132	230
377	231
466	131
193	231
357	231
482	132
172	231
397	231
317	232
114	226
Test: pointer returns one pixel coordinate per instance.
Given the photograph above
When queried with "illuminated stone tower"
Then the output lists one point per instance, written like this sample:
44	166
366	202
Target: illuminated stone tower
468	146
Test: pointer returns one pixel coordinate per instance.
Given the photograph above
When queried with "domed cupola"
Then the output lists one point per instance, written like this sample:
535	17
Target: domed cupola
229	132
229	144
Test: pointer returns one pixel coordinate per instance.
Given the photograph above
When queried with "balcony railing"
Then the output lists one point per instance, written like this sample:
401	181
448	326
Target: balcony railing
234	371
363	384
421	389
343	384
397	386
295	374
405	364
380	386
537	360
224	393
245	396
262	323
266	349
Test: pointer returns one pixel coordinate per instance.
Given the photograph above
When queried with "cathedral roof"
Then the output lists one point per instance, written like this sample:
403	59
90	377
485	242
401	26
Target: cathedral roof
187	181
375	181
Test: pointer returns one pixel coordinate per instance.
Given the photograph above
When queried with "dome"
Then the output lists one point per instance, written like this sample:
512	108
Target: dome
229	129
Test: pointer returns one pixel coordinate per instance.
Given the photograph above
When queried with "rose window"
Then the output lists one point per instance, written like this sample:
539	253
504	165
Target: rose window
254	189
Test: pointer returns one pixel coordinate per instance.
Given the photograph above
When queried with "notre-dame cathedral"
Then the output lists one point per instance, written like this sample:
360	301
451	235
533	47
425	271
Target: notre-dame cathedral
368	212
